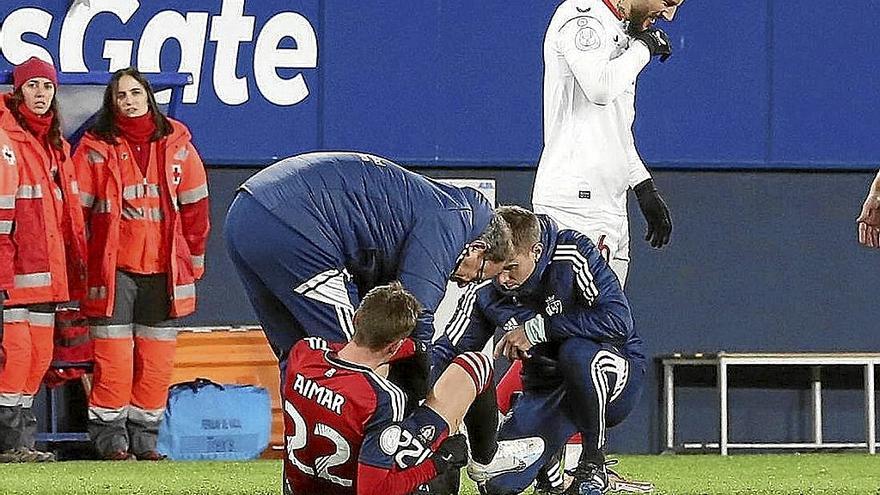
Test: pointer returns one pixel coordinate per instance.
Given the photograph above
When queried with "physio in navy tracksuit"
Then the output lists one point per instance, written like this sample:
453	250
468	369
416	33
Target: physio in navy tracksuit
565	314
311	234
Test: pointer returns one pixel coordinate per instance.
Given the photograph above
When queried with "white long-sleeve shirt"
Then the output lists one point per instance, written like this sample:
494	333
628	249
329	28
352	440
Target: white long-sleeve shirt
590	69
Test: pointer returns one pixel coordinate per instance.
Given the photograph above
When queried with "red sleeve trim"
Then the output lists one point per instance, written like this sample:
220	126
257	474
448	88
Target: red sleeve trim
377	481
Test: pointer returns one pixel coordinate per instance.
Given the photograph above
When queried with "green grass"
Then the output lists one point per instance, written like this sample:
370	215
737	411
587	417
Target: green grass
130	477
757	474
682	474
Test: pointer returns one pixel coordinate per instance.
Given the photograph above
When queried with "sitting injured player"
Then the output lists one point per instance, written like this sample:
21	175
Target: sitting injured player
567	319
345	428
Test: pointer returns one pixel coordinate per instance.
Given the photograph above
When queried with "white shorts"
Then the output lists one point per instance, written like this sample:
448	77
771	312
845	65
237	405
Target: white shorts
610	234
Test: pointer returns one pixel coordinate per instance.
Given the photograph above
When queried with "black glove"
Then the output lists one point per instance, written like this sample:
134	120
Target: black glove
451	454
656	213
657	41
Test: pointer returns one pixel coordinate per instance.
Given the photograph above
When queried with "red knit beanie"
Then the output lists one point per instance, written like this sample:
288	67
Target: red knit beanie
33	67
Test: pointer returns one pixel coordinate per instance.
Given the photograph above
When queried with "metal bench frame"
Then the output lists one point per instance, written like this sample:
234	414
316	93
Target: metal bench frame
723	360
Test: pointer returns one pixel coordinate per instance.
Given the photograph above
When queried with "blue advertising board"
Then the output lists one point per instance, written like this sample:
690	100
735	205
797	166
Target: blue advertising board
456	83
253	64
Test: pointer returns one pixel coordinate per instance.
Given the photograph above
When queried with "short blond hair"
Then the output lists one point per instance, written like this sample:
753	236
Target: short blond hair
525	229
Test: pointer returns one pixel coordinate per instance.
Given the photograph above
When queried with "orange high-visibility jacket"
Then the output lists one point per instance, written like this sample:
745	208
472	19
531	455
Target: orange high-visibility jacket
184	213
8	188
50	249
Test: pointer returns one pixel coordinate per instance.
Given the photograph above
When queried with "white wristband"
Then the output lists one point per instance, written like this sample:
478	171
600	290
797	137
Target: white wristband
535	331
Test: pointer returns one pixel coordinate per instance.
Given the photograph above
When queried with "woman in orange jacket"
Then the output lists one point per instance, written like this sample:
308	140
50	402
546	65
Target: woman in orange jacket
41	214
145	198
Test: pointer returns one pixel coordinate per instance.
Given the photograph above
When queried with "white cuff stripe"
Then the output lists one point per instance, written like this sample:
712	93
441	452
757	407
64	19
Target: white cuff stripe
146	416
31	280
184	291
193	195
29	191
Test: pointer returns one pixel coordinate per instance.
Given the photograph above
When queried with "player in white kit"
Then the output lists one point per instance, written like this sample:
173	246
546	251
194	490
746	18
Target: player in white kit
593	53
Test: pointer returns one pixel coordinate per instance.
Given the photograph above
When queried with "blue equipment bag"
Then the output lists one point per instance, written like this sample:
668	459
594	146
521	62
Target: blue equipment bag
206	420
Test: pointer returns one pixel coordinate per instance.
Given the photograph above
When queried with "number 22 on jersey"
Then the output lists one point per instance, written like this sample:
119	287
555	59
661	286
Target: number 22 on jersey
322	464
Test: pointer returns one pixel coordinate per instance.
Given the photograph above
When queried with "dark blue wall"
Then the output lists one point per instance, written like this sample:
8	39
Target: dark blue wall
754	83
758	262
749	85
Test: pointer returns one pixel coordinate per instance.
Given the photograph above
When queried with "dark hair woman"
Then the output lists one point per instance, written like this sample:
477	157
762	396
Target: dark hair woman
145	199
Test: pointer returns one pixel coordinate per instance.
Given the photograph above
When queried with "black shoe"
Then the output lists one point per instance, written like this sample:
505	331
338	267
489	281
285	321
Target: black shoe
589	479
551	479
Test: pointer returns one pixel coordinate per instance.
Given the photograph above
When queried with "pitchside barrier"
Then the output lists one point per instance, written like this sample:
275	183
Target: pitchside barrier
723	361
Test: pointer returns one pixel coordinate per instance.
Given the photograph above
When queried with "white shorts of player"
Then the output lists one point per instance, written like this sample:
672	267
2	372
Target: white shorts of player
610	234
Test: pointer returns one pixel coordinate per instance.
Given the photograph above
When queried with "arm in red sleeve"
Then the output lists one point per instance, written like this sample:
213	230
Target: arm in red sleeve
196	224
377	481
195	209
8	188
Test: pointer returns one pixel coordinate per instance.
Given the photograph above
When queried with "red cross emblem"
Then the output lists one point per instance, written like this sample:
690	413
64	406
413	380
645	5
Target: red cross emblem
9	155
176	173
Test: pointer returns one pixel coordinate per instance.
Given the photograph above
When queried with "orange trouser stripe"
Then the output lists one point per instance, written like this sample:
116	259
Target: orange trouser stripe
17	351
153	367
111	387
42	342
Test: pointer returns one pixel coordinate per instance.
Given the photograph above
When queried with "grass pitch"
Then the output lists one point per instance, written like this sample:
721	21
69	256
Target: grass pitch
684	474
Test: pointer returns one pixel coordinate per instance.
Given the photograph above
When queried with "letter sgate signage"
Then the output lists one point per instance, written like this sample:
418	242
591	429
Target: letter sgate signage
286	41
253	62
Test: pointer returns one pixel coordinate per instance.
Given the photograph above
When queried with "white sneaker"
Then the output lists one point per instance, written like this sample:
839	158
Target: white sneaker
512	456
